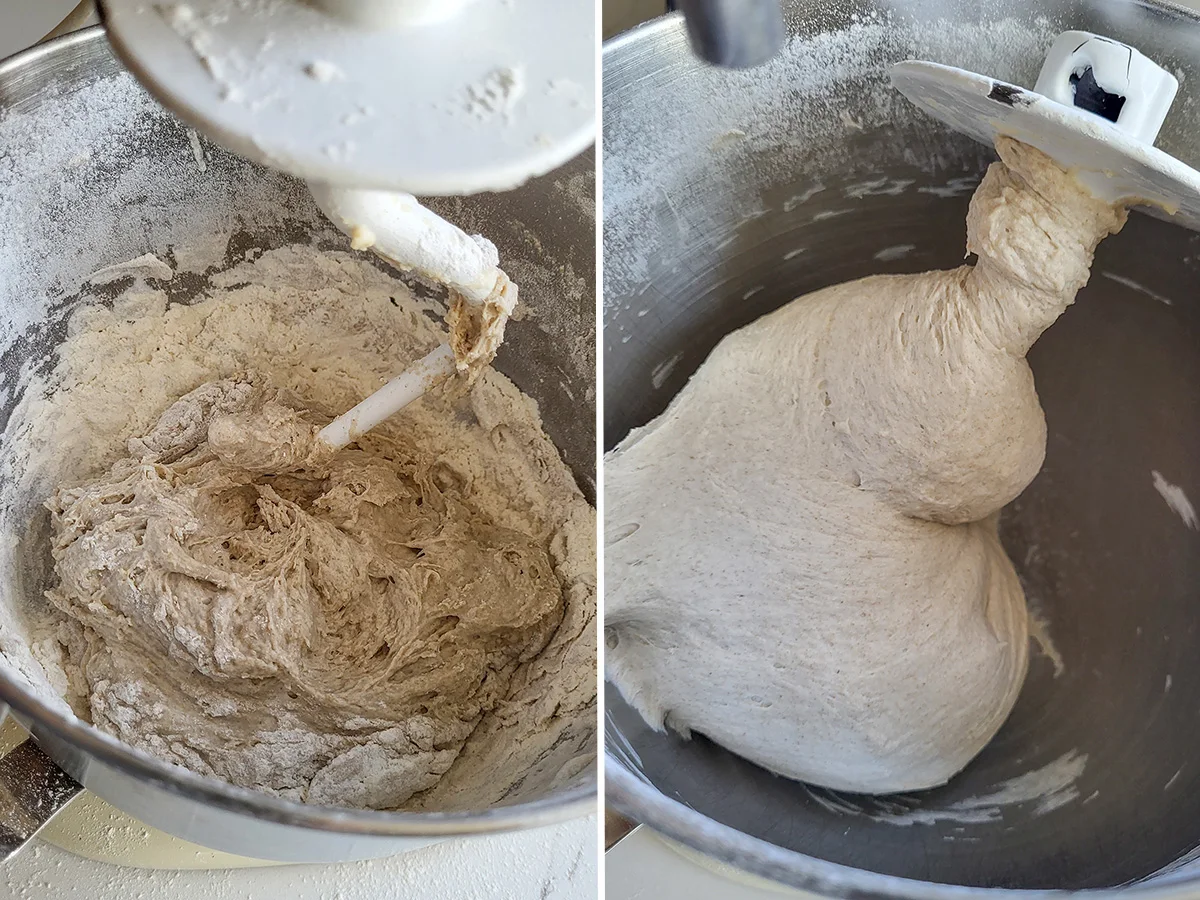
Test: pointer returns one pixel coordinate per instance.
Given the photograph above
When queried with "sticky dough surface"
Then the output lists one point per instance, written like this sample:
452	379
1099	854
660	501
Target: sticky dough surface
342	629
802	560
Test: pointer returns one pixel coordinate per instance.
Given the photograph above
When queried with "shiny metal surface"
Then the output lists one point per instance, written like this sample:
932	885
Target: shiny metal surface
32	790
734	33
751	204
543	226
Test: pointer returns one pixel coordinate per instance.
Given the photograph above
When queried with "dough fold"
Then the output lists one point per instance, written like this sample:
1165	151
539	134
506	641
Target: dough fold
802	559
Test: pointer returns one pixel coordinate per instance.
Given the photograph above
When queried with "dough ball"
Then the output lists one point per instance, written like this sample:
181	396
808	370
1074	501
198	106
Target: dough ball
802	561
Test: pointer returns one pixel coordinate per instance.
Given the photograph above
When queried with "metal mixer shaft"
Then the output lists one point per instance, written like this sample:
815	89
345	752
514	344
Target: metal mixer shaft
737	34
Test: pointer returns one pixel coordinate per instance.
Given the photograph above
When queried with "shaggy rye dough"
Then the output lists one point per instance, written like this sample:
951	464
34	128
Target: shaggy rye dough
406	622
801	556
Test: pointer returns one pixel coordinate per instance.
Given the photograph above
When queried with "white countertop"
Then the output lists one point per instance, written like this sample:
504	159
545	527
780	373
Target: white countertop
646	866
556	863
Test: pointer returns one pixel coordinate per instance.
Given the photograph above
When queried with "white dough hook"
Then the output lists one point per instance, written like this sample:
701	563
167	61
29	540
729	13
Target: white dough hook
405	233
372	101
1096	110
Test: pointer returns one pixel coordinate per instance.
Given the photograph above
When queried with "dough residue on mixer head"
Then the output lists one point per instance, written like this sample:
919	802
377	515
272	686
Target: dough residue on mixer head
406	622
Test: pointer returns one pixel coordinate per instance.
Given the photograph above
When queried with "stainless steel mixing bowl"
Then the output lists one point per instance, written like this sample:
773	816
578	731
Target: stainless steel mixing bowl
729	194
132	180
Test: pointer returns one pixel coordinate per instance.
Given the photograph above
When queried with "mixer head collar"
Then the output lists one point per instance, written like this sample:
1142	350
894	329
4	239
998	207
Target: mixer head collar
1096	110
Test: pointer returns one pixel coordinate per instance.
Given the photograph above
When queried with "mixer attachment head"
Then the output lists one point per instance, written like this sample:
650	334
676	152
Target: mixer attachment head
1096	109
430	97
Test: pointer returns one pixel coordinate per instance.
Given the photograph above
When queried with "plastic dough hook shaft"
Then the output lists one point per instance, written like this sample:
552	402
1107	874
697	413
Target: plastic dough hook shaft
407	234
1096	110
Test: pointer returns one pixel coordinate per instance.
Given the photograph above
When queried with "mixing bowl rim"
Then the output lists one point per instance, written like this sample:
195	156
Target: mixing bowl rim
571	803
636	798
667	20
640	801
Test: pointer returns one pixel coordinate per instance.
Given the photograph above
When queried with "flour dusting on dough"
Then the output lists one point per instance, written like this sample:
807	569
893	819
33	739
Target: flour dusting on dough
342	630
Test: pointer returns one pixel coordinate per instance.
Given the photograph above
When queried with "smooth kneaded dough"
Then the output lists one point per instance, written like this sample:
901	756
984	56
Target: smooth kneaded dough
342	629
802	560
